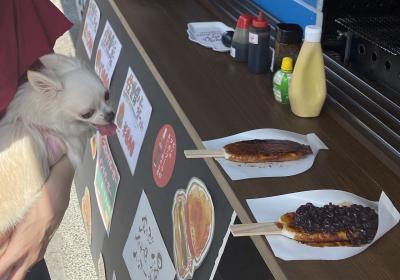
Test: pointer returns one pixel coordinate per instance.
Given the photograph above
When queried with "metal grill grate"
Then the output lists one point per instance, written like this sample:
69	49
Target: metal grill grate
384	32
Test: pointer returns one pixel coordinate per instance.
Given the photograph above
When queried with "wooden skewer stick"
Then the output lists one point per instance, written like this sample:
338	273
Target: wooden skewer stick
204	153
256	229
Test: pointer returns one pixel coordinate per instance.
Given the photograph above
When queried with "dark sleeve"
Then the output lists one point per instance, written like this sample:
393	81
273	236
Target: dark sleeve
29	29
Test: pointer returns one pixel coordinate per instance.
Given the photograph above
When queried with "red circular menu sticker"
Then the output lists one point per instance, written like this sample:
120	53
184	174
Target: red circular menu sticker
164	155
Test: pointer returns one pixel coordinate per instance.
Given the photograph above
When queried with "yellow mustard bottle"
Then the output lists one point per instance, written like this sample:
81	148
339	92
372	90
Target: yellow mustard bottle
307	91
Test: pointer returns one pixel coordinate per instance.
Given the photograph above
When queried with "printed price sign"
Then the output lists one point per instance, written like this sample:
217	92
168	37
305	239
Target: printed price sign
133	116
145	254
90	27
164	155
107	55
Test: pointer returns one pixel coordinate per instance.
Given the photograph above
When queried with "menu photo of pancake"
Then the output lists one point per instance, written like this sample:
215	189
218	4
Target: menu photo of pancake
87	214
193	221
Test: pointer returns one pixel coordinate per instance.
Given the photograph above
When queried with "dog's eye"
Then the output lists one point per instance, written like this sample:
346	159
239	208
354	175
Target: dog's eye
88	114
107	95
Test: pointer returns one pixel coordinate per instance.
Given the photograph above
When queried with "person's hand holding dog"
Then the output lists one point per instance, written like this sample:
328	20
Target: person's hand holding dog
29	240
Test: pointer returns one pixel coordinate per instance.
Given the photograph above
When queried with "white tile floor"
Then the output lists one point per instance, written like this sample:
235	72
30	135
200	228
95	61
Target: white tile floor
68	255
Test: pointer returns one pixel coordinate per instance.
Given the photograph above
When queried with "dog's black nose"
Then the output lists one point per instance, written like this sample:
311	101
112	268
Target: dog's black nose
109	117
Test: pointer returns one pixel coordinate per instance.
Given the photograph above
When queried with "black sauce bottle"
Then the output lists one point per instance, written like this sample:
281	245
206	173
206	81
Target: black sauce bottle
258	45
240	40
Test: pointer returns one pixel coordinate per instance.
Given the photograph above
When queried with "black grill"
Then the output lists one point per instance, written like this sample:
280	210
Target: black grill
383	32
373	49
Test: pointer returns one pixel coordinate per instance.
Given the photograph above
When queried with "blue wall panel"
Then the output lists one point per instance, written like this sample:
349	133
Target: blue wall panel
289	11
311	2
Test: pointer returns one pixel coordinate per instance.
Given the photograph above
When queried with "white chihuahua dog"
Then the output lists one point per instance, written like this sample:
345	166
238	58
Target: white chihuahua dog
58	108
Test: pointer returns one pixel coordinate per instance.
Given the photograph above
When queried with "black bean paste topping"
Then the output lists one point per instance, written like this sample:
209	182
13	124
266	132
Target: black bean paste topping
360	223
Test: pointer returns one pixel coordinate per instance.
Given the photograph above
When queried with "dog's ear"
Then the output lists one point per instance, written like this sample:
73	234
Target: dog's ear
60	64
44	84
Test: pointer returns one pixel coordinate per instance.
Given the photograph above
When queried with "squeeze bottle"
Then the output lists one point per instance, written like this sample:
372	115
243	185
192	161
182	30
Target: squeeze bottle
307	91
240	40
258	45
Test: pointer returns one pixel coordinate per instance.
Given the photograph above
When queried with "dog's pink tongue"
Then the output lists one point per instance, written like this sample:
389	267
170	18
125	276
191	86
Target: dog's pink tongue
108	129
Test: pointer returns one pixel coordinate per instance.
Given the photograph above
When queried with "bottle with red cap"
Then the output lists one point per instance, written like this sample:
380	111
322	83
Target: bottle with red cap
240	40
258	45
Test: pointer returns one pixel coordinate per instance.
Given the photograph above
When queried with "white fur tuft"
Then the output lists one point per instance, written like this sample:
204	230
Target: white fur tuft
61	64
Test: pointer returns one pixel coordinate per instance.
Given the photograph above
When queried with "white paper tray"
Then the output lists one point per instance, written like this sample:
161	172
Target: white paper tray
208	34
270	209
239	171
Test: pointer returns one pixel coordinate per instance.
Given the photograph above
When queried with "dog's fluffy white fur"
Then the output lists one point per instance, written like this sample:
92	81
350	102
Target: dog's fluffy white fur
66	100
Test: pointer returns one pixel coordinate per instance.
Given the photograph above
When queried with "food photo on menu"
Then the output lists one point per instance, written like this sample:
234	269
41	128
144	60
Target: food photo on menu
193	227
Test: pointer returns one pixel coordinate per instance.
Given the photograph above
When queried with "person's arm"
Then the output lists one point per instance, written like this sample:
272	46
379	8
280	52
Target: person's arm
29	240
